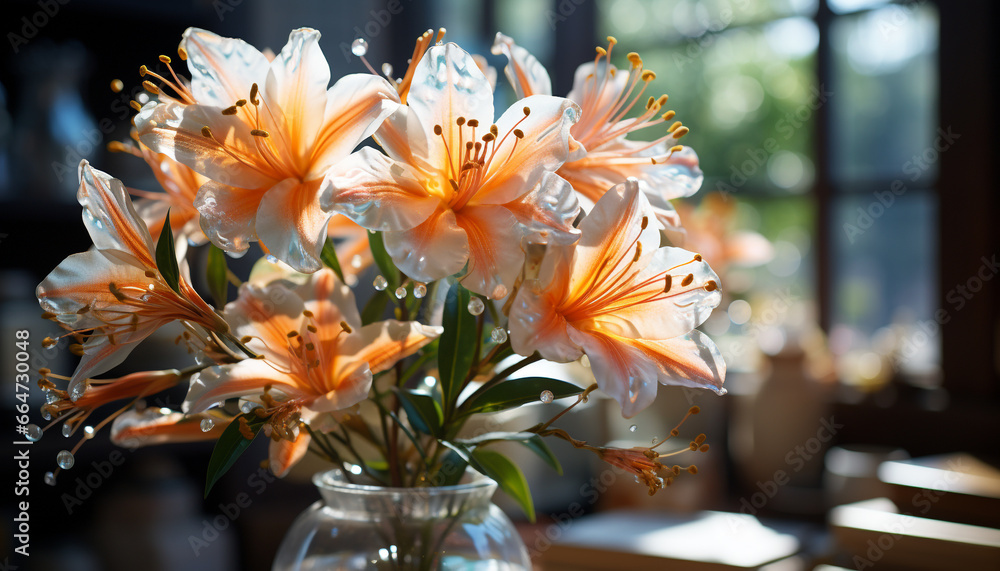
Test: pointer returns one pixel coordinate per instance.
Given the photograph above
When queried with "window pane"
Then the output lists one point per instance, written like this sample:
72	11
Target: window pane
884	267
885	93
657	21
749	96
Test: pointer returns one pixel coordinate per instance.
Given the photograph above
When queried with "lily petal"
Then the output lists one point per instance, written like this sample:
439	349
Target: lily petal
526	74
330	302
620	370
110	217
447	85
495	255
548	211
355	107
283	454
377	192
225	153
291	223
222	69
383	343
691	360
519	163
296	83
435	249
536	326
228	215
248	377
133	429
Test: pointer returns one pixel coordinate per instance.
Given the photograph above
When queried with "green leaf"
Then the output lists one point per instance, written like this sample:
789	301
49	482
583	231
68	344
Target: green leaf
375	308
537	445
217	275
452	469
532	441
457	344
516	392
229	447
329	257
166	256
383	260
507	475
422	410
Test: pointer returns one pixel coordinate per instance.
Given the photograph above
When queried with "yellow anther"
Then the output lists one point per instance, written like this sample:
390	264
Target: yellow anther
165	59
150	87
680	132
648	75
142	71
230	110
117	85
259	133
206	132
182	53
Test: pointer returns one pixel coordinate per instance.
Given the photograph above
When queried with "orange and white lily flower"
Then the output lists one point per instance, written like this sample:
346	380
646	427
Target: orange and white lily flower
265	133
664	169
456	187
628	304
112	296
180	189
316	356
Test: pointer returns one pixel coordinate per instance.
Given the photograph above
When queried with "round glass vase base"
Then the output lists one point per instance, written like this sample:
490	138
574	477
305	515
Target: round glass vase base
361	527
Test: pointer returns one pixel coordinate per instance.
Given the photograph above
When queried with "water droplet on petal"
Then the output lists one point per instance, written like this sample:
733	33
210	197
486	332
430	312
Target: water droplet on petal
246	407
387	69
65	459
476	306
271	259
400	292
499	335
67	430
46	414
50	478
380	283
207	424
632	428
546	396
359	47
34	432
88	432
419	290
51	397
77	391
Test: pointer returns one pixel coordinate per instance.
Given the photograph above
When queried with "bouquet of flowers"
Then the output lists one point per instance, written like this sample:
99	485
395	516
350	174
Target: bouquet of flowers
501	239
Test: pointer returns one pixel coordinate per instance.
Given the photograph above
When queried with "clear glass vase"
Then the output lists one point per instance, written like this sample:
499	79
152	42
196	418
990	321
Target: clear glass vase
358	527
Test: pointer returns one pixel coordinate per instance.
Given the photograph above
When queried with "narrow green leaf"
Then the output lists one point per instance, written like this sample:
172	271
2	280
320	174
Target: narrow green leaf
383	260
457	344
516	392
329	257
229	447
507	475
422	410
537	445
375	308
217	276
532	441
166	256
